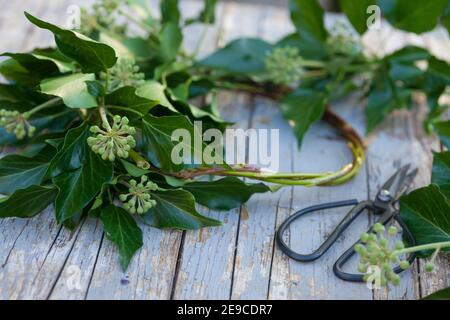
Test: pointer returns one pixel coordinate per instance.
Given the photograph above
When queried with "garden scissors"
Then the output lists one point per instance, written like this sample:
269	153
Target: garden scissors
385	206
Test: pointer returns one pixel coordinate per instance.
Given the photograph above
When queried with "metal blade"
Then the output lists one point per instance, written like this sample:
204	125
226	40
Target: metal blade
397	184
406	184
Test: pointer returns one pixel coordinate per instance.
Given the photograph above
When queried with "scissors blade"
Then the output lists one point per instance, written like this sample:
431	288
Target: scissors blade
397	184
406	184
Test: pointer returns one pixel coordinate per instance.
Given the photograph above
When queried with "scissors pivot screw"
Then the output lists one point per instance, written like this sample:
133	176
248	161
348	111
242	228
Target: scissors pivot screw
385	195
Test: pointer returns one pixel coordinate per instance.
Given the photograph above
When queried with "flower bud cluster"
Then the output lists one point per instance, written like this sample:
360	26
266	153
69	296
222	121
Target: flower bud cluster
16	123
377	253
284	65
138	200
111	142
124	73
343	41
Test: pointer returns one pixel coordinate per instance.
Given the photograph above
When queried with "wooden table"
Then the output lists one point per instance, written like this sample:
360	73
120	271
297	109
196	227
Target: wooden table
41	260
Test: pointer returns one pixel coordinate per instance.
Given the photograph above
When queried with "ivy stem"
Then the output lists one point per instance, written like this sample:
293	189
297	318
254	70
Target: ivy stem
200	41
49	104
437	246
136	21
103	115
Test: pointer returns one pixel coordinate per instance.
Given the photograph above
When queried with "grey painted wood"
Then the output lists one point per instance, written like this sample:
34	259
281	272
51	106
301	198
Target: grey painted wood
207	260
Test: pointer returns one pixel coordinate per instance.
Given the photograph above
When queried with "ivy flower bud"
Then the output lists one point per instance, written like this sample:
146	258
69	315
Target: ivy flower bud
284	65
138	199
16	123
429	266
111	142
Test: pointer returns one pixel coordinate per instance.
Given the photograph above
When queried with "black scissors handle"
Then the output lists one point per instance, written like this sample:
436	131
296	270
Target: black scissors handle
348	219
384	219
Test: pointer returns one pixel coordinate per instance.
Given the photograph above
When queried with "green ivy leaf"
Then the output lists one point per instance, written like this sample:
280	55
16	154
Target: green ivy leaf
241	56
441	172
20	172
302	108
122	230
170	12
443	129
176	209
40	68
27	203
207	15
126	97
356	12
308	19
155	91
92	56
426	213
413	16
72	89
170	42
224	194
73	153
157	144
78	188
443	294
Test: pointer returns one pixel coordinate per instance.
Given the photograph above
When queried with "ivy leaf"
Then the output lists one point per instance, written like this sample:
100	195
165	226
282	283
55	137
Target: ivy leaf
41	68
20	172
224	194
356	12
441	172
170	11
72	89
384	97
155	91
443	294
78	188
426	212
170	42
207	15
63	63
302	108
176	209
92	56
127	98
73	153
27	203
122	230
308	19
413	16
241	56
157	144
443	129
446	17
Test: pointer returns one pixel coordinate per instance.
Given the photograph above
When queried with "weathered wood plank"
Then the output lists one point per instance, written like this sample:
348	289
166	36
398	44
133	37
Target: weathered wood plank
33	240
206	266
151	274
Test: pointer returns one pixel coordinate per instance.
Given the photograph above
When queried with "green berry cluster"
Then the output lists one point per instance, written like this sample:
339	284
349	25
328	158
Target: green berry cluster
103	15
138	200
115	141
124	73
284	65
343	40
377	252
16	122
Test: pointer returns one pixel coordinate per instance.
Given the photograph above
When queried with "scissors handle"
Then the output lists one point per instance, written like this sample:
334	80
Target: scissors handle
348	219
384	219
